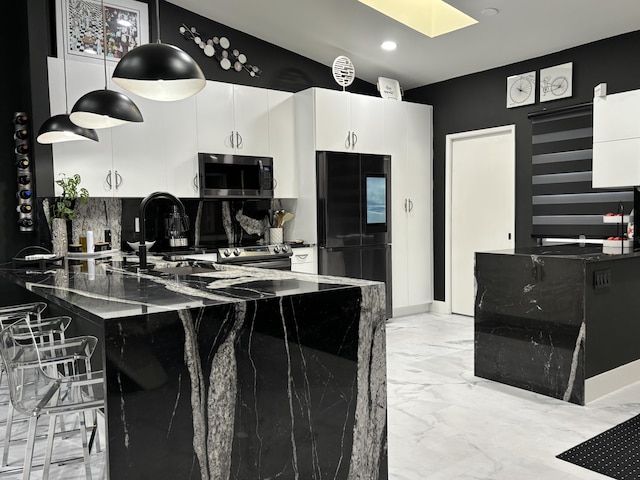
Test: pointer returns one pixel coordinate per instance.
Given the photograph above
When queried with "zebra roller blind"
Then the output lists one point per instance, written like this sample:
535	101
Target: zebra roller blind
563	202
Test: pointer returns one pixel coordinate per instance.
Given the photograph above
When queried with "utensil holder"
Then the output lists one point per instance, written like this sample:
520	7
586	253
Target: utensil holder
275	235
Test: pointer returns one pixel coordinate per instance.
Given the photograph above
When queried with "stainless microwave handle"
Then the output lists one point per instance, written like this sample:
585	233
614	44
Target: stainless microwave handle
261	167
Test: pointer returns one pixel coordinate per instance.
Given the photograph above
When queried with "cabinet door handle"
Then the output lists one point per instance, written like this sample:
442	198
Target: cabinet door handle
354	139
238	140
231	140
410	206
118	180
347	143
195	182
108	179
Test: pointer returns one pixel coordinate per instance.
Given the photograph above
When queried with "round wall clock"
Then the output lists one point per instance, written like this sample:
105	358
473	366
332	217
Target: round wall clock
521	89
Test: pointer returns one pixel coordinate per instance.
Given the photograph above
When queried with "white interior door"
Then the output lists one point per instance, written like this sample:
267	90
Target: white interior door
481	165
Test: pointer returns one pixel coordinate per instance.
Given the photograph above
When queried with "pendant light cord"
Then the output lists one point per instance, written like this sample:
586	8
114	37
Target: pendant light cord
64	57
158	19
104	42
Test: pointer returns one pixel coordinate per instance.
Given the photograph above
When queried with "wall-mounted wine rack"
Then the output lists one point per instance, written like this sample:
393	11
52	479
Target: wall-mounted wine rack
25	191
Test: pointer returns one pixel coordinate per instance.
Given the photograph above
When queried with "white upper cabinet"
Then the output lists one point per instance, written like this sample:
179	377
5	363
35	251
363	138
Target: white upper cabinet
159	154
616	140
346	122
91	160
282	134
233	119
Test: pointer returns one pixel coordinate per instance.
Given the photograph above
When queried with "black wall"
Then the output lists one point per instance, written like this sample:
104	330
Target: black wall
466	103
29	26
479	101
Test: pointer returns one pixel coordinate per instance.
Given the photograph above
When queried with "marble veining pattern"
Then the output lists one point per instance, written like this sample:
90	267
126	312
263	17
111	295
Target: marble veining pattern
444	423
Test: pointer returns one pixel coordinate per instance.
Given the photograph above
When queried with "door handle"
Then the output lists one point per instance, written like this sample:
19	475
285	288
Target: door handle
354	139
405	204
195	182
118	180
238	140
231	140
108	180
347	143
410	206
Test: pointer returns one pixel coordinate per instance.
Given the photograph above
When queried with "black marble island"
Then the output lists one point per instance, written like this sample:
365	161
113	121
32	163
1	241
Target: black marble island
219	372
558	320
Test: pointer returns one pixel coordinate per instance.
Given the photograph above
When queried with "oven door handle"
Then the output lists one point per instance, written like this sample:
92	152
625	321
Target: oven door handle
280	264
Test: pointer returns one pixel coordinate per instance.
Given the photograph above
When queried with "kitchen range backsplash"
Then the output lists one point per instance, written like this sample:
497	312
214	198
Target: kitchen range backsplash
97	215
212	222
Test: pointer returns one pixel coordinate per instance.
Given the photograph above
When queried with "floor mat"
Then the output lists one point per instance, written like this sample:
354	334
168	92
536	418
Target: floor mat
615	453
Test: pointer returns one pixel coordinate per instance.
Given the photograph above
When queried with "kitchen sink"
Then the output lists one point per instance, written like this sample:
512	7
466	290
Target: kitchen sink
185	270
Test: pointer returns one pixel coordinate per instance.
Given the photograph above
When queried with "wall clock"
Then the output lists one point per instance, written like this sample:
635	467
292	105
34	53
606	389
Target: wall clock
521	89
556	82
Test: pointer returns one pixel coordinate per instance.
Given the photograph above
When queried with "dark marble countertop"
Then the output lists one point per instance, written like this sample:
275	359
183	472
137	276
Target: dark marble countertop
111	289
590	252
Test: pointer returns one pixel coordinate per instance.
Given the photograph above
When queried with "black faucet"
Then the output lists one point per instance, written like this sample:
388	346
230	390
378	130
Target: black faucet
142	250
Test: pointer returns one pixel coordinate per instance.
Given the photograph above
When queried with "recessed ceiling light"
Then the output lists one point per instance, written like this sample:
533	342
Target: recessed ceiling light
489	12
389	45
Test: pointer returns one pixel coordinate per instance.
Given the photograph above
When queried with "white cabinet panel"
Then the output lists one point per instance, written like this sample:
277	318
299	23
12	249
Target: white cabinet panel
395	130
367	124
233	119
182	145
91	160
347	122
407	137
616	116
304	260
420	189
282	143
140	152
251	119
333	120
214	118
616	163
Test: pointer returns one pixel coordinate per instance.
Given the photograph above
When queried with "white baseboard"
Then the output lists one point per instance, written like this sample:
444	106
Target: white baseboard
438	306
607	382
412	310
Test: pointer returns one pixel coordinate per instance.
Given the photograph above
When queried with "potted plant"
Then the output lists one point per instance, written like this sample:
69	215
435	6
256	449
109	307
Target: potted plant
64	205
63	210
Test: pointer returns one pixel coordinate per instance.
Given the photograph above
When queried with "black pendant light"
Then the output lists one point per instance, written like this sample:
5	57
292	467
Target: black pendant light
159	71
60	128
104	108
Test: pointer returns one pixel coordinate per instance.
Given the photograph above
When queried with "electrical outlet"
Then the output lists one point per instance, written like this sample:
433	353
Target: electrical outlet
601	279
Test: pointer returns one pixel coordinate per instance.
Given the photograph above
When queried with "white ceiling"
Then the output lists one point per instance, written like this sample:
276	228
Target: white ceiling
323	29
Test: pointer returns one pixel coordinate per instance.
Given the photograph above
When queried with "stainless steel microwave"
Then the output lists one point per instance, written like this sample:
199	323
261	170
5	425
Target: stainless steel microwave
235	176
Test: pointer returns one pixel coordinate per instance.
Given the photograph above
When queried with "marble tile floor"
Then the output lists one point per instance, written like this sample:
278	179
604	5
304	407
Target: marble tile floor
67	461
444	423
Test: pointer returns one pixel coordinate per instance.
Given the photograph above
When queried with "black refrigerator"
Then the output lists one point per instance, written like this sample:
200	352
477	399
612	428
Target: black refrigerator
354	217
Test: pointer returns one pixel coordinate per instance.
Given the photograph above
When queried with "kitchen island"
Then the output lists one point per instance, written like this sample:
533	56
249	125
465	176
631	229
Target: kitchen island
226	372
558	320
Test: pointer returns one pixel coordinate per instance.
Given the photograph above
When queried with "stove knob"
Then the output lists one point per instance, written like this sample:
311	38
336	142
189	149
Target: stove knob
276	249
236	252
226	252
285	248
